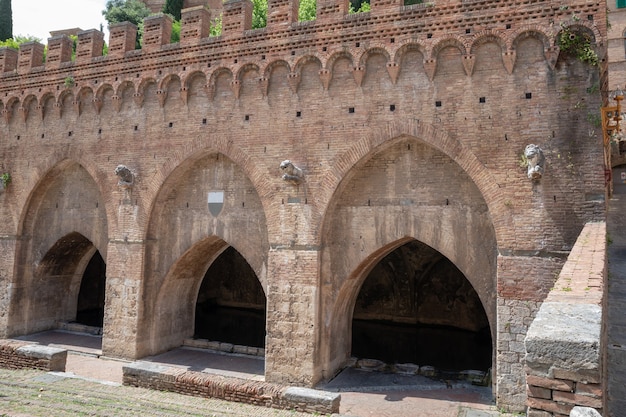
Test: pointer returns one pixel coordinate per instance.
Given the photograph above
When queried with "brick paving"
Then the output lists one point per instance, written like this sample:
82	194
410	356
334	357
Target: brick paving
616	311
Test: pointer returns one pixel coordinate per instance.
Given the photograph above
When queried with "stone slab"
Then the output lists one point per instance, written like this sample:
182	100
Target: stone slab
564	336
313	397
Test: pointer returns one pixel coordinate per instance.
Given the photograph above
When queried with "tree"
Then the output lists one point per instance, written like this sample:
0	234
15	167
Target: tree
259	14
6	20
16	41
307	10
173	7
133	11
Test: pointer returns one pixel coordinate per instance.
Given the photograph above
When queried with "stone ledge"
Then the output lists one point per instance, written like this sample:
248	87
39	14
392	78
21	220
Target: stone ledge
154	376
17	355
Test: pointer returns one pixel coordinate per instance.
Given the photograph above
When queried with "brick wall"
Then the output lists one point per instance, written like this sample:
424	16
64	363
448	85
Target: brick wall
24	355
564	365
146	375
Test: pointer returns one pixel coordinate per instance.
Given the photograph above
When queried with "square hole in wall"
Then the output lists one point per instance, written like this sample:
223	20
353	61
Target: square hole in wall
170	124
358	44
246	117
468	30
136	127
429	36
482	100
392	107
203	121
298	114
350	109
438	103
529	96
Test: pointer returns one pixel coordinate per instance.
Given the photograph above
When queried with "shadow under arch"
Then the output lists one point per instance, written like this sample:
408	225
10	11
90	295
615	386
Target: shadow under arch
400	190
415	306
56	290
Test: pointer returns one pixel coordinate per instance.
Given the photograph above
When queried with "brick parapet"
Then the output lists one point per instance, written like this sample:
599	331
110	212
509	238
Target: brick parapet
434	22
147	375
563	345
15	354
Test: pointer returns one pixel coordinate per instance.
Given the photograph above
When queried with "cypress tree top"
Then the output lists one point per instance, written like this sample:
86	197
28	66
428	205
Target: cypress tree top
6	20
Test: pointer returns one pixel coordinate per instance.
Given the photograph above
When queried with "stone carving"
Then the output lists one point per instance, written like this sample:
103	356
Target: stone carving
291	173
126	176
536	161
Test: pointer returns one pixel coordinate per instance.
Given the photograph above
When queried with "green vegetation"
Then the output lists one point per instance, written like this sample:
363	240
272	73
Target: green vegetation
5	179
6	20
173	8
577	44
16	41
133	11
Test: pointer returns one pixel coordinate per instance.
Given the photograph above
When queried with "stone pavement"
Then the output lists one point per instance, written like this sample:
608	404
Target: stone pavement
616	298
95	382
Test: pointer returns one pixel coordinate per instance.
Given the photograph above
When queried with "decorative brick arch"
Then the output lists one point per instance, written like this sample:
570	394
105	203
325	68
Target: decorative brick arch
55	160
427	133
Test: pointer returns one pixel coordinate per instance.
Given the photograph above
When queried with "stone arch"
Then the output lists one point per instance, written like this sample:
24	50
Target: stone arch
362	60
488	36
122	86
185	251
240	73
219	72
450	146
337	55
454	42
269	68
141	88
404	215
409	45
167	80
56	245
297	68
186	82
10	106
526	32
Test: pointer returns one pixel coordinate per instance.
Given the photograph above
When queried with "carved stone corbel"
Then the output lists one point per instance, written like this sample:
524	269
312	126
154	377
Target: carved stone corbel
24	113
325	77
468	64
291	173
358	73
264	84
162	95
393	69
536	161
294	81
126	177
509	58
236	87
430	66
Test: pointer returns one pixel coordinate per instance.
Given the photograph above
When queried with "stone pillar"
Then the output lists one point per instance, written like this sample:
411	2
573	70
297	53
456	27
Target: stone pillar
89	45
8	59
237	17
196	24
157	31
7	287
292	295
332	9
30	56
125	265
282	12
523	283
122	38
59	51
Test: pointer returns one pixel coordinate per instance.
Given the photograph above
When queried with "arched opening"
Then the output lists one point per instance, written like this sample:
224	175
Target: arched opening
90	305
415	306
231	303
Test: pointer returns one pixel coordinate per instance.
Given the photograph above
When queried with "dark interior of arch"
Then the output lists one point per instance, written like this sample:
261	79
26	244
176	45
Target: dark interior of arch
90	306
231	303
416	307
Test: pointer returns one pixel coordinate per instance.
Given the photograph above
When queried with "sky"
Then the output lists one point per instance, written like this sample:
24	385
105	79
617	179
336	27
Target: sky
39	17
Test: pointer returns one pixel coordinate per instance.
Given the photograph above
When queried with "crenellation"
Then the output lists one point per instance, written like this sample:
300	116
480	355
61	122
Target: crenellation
30	56
282	12
8	59
157	32
59	51
89	45
122	38
236	17
195	24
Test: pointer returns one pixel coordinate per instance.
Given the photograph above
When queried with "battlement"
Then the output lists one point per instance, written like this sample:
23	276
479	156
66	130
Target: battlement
426	22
